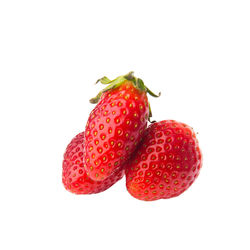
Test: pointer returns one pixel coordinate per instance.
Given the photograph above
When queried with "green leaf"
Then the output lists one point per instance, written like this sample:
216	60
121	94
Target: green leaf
112	85
140	84
105	80
153	94
95	100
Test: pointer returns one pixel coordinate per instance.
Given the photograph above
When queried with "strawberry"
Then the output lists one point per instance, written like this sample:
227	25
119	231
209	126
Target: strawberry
74	176
166	163
116	125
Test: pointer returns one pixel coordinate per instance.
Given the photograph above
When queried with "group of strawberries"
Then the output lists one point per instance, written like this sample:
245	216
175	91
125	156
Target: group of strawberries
160	161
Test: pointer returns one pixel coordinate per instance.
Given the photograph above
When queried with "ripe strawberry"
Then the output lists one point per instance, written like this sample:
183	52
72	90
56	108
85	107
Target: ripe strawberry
167	162
74	176
116	125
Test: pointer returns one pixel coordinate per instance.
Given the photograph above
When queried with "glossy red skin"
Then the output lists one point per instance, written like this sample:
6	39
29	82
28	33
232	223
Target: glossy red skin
114	130
74	176
166	163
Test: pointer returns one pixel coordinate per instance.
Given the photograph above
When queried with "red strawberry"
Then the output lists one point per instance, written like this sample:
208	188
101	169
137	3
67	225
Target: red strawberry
116	125
74	175
166	164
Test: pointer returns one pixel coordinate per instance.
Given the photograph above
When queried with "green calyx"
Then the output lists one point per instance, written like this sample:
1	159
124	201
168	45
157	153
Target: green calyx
113	84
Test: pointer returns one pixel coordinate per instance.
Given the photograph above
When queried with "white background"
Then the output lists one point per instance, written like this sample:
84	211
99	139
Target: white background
197	53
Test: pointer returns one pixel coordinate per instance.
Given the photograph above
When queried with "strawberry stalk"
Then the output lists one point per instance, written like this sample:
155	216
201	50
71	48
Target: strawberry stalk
117	82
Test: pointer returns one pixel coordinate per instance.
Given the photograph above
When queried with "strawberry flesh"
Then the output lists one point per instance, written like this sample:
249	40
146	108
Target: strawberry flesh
74	176
114	130
166	163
